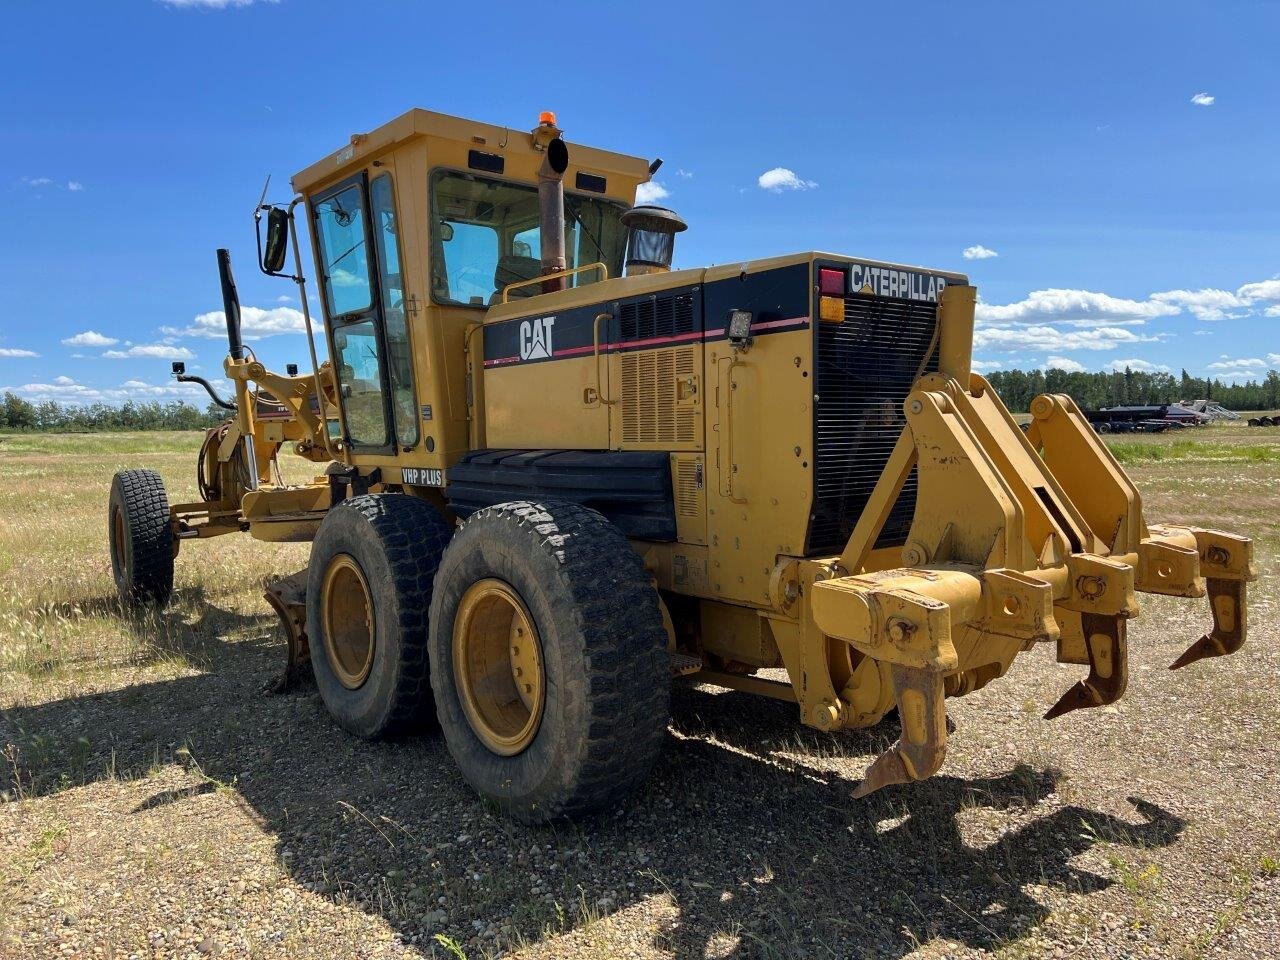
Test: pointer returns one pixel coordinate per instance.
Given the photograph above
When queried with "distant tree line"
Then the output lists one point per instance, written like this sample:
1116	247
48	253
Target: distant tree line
1093	391
1017	388
17	414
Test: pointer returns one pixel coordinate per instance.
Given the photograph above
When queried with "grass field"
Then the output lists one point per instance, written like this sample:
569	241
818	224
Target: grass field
158	803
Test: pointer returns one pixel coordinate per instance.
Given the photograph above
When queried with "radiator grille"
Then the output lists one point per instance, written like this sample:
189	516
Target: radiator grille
656	317
865	368
650	389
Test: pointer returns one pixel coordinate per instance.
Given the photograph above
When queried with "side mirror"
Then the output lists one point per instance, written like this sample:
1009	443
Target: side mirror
277	245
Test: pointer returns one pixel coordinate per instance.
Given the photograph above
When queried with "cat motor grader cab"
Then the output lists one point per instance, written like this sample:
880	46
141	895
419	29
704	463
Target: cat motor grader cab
550	487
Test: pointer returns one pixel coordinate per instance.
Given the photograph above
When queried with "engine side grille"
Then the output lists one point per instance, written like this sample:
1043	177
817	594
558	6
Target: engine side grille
651	412
865	368
656	317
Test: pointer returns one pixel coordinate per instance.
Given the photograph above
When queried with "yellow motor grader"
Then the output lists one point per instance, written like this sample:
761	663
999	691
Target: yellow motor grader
558	474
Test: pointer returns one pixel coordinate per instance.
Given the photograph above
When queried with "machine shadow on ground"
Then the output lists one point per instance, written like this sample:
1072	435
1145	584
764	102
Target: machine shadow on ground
755	843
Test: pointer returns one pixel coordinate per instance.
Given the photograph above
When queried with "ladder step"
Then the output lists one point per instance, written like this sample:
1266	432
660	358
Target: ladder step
682	664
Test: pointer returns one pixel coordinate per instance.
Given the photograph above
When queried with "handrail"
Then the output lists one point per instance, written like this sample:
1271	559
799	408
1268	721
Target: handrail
595	339
604	270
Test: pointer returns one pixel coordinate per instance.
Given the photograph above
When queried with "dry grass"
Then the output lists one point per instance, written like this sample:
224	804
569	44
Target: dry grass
159	804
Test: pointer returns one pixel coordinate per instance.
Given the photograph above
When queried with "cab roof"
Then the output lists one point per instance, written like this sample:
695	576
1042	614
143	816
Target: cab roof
419	123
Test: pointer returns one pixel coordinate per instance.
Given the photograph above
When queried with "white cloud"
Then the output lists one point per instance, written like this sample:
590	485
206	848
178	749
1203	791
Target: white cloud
1273	358
1042	338
651	192
684	174
1075	307
780	178
1203	100
1205	304
13	352
1064	363
75	186
1238	376
284	298
979	252
151	351
1088	308
1261	290
1239	364
255	323
983	366
1138	365
90	338
1201	333
210	4
67	390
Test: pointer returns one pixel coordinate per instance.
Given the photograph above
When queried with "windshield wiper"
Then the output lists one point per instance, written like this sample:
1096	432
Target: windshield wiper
573	212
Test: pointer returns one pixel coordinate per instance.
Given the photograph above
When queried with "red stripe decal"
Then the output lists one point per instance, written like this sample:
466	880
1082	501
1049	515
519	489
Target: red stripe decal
796	322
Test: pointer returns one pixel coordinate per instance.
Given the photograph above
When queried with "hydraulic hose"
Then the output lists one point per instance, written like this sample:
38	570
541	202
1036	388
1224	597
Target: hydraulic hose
213	394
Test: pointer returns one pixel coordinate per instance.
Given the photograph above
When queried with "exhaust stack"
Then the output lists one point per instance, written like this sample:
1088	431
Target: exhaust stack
555	162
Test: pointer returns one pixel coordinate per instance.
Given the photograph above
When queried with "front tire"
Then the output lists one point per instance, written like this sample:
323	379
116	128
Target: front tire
141	538
368	595
548	660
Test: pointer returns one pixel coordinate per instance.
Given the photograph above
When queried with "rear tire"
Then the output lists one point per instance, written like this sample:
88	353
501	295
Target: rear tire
141	538
368	595
602	698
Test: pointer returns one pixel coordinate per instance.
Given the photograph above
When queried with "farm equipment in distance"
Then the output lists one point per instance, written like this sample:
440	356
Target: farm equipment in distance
549	487
1149	419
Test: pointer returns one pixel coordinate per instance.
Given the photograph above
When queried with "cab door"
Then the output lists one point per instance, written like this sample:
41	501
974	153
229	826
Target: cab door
358	253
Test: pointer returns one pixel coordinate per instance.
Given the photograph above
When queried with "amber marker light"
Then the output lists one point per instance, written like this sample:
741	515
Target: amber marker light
831	309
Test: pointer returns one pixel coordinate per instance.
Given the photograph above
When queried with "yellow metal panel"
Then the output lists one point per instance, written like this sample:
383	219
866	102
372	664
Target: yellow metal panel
514	144
737	634
759	471
535	405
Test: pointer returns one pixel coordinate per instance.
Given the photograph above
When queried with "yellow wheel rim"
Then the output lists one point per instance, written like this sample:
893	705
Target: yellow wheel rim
118	540
349	628
497	666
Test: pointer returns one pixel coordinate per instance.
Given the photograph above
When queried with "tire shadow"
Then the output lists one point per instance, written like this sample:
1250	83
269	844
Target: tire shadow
744	837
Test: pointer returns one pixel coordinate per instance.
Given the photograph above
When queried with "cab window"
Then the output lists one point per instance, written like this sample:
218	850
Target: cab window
344	258
485	235
359	370
404	405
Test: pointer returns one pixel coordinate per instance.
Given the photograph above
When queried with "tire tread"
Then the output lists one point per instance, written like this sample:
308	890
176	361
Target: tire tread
627	682
149	578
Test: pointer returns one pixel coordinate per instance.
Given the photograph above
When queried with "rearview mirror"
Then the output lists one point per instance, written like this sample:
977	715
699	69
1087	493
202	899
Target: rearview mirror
277	245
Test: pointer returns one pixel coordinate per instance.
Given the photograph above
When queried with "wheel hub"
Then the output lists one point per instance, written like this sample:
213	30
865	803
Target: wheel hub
349	628
497	663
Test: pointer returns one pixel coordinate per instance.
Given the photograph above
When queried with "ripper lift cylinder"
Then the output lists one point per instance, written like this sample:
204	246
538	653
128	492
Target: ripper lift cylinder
955	332
230	304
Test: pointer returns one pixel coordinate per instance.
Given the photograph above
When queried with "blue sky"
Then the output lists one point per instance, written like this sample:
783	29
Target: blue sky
1110	169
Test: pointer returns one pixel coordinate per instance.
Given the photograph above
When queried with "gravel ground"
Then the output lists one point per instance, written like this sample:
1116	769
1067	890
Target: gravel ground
172	809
